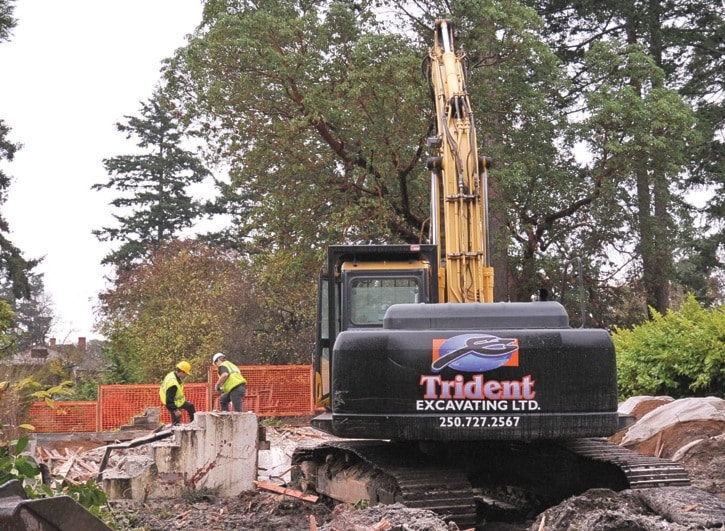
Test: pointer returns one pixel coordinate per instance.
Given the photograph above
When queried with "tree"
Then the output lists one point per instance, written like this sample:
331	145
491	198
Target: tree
320	117
639	131
13	265
679	40
7	20
155	204
186	301
34	316
6	319
316	109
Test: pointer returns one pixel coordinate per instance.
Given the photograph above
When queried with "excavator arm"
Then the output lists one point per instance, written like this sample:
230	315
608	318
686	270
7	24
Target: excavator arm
459	197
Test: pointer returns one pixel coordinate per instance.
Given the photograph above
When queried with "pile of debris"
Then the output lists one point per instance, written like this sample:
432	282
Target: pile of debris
79	465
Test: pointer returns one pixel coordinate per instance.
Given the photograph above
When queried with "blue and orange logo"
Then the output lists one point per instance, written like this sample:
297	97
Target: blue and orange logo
475	353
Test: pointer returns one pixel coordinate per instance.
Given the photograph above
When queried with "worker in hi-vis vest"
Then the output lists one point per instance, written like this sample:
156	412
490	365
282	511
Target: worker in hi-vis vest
231	383
172	393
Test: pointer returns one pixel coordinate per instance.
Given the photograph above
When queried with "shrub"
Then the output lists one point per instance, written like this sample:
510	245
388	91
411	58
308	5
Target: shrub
678	354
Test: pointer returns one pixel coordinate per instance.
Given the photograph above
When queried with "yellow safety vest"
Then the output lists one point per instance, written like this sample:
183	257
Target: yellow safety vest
169	381
235	377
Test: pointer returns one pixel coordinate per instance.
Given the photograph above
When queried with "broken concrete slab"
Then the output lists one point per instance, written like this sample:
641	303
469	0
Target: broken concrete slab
217	452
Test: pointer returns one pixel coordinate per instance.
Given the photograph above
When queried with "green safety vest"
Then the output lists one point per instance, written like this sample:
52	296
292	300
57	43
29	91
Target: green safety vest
169	381
235	377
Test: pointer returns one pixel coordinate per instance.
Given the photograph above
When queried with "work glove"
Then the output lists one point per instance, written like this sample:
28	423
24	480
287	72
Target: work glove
177	415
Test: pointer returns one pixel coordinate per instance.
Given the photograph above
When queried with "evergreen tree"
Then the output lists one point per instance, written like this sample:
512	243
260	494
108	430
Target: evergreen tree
34	316
13	265
683	41
7	20
155	202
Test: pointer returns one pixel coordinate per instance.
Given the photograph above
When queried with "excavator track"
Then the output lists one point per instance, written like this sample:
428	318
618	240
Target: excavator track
641	471
451	484
402	475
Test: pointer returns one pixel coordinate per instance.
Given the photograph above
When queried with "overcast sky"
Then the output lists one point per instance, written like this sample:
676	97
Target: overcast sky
71	70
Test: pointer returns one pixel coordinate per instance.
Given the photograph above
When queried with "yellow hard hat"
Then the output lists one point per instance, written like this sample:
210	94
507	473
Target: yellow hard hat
184	366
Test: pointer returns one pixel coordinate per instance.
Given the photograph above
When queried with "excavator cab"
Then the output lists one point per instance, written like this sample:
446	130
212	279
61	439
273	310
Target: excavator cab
365	281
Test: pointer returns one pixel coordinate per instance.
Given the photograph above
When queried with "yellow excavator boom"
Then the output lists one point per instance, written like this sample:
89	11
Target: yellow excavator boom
459	197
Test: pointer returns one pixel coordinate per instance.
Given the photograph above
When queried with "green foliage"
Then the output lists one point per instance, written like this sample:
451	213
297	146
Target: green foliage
678	354
88	494
272	422
33	316
14	268
649	72
187	302
14	464
6	319
86	388
320	114
7	19
321	117
16	397
361	505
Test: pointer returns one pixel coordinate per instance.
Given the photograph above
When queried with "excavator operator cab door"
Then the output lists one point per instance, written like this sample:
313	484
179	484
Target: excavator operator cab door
362	294
321	361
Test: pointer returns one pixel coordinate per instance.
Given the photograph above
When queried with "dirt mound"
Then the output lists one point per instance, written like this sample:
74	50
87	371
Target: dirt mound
669	440
385	517
675	509
705	462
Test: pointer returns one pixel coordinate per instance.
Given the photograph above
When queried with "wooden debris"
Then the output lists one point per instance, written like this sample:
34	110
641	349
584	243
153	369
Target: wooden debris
76	466
286	491
659	446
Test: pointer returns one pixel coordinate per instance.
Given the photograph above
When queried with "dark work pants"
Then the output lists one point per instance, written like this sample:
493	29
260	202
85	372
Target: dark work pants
188	407
235	397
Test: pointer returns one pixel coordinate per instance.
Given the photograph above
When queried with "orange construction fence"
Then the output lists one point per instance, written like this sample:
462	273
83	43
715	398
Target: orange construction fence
272	391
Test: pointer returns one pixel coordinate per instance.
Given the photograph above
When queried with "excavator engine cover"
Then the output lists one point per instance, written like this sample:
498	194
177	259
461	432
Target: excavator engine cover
478	371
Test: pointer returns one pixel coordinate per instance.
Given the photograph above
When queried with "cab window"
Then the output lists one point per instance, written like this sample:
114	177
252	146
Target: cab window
371	297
